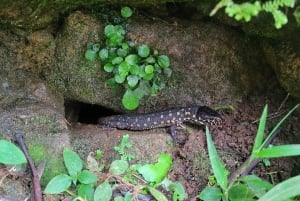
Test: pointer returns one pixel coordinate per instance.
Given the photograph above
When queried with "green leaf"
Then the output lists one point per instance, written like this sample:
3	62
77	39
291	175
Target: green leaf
148	76
109	30
156	172
157	194
109	67
134	69
119	78
139	92
130	100
132	59
260	132
103	192
124	68
58	184
118	167
150	60
86	191
256	184
72	161
240	192
125	46
117	60
163	61
87	177
280	18
178	191
218	167
122	52
279	151
143	50
149	69
126	12
103	54
96	47
132	80
211	193
10	154
90	55
284	190
115	40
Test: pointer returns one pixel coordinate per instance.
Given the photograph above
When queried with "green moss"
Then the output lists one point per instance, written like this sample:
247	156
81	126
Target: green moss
54	166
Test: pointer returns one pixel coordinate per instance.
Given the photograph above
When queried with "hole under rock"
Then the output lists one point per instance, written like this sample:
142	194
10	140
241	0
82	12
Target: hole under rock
76	111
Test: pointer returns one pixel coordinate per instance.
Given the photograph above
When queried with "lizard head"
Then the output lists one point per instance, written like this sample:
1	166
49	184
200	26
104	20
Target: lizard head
208	116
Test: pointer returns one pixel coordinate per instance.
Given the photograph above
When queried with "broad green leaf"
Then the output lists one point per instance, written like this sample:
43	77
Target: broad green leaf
72	161
118	167
103	192
134	70
122	52
87	177
120	30
126	12
157	194
163	61
240	192
132	80
150	60
256	184
103	54
149	69
58	184
125	46
10	154
132	59
109	67
260	132
109	30
117	60
148	76
90	55
143	50
279	151
218	167
156	172
86	191
284	190
119	79
115	40
130	100
139	92
124	68
211	193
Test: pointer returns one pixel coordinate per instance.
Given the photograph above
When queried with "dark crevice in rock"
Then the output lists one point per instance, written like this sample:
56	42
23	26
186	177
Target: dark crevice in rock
76	111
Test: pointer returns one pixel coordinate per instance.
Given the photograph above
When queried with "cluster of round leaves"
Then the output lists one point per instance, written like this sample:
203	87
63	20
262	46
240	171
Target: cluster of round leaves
139	69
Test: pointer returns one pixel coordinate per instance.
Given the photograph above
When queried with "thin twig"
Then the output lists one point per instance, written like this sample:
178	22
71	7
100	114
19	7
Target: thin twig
37	191
283	102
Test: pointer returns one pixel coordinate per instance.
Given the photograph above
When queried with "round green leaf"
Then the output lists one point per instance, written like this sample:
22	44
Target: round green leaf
109	30
58	184
155	52
211	193
134	69
132	59
120	30
150	60
119	79
103	192
86	191
149	69
132	80
148	76
108	67
72	161
118	167
90	55
126	12
87	177
10	154
96	47
124	68
143	50
163	61
122	52
103	54
115	40
117	60
125	46
130	100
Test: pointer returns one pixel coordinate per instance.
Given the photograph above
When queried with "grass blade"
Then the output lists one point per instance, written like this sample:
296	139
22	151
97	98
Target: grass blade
284	190
279	123
279	151
218	167
260	132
